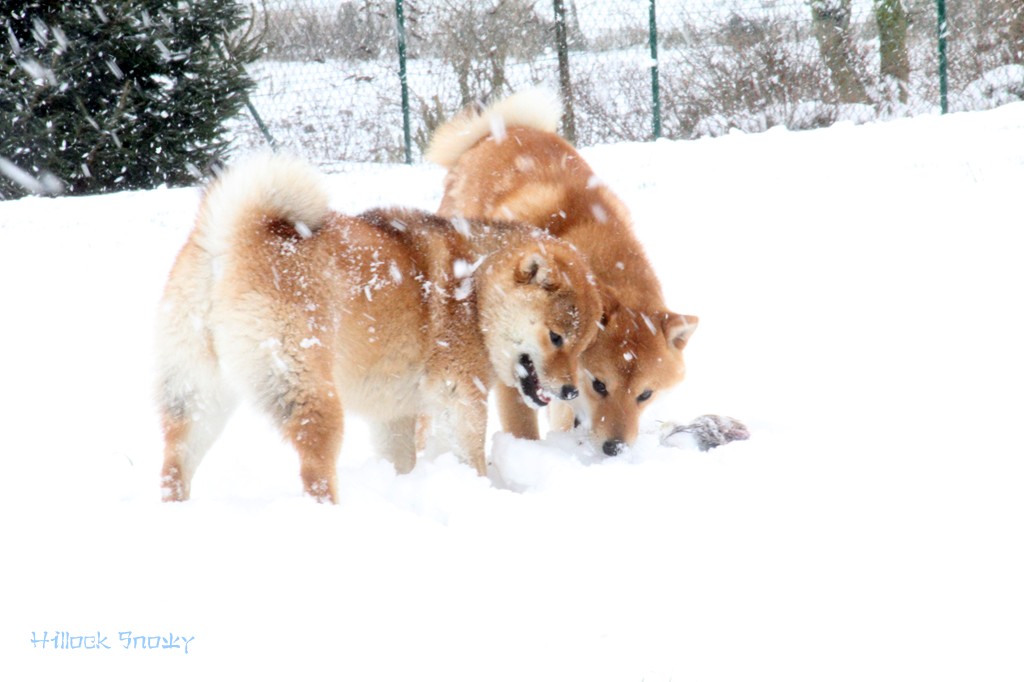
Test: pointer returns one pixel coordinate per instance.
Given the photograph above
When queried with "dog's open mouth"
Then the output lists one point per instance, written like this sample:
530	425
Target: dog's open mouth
529	382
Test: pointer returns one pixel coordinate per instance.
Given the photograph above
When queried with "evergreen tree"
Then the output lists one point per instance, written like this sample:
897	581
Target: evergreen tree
117	94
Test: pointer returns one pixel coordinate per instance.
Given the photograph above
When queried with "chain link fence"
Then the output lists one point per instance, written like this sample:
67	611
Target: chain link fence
329	82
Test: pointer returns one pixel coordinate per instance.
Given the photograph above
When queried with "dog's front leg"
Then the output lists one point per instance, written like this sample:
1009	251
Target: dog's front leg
561	415
517	418
470	428
398	442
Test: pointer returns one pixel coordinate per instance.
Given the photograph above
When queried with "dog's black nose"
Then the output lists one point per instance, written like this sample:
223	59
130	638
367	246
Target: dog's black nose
569	392
613	447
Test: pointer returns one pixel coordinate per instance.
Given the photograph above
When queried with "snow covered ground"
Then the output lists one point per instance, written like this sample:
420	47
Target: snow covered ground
859	290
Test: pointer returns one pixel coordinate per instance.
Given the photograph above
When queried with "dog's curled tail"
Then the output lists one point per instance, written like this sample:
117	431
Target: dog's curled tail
537	108
264	189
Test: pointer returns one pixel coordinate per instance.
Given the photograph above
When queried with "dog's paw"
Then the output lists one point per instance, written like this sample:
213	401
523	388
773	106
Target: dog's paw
706	432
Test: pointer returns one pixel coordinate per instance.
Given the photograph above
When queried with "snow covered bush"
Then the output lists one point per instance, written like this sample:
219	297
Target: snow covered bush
99	95
747	74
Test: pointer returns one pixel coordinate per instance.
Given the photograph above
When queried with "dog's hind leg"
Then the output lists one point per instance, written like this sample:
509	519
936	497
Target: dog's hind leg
192	396
313	422
298	390
192	419
291	379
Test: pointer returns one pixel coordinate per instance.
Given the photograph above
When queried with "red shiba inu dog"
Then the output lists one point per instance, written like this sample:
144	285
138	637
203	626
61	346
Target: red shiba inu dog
399	315
507	162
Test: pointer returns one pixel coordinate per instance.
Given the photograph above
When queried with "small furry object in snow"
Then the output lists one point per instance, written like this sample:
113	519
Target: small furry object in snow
706	432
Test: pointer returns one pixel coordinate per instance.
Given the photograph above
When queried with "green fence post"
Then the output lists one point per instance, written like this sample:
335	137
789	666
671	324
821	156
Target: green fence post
400	12
940	7
655	89
260	124
564	81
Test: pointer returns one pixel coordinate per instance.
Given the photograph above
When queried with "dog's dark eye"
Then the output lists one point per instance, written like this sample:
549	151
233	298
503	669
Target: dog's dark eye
646	395
600	388
556	339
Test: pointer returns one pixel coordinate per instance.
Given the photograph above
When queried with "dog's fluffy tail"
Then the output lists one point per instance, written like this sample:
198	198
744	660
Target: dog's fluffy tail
265	189
537	108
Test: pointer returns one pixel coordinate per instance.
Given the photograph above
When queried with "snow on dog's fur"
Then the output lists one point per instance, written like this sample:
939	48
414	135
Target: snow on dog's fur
396	314
507	162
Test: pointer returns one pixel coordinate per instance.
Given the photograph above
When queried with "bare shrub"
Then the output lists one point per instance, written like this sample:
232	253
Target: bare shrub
984	36
612	102
353	30
477	40
749	75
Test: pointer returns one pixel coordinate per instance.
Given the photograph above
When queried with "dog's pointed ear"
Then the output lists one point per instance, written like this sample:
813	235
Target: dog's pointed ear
534	268
678	329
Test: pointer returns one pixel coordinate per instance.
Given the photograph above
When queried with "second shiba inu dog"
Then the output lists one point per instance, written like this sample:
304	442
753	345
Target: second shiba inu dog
507	162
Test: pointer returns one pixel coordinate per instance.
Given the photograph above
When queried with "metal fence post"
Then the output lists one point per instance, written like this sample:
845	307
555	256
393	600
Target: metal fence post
655	89
940	7
400	12
564	82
